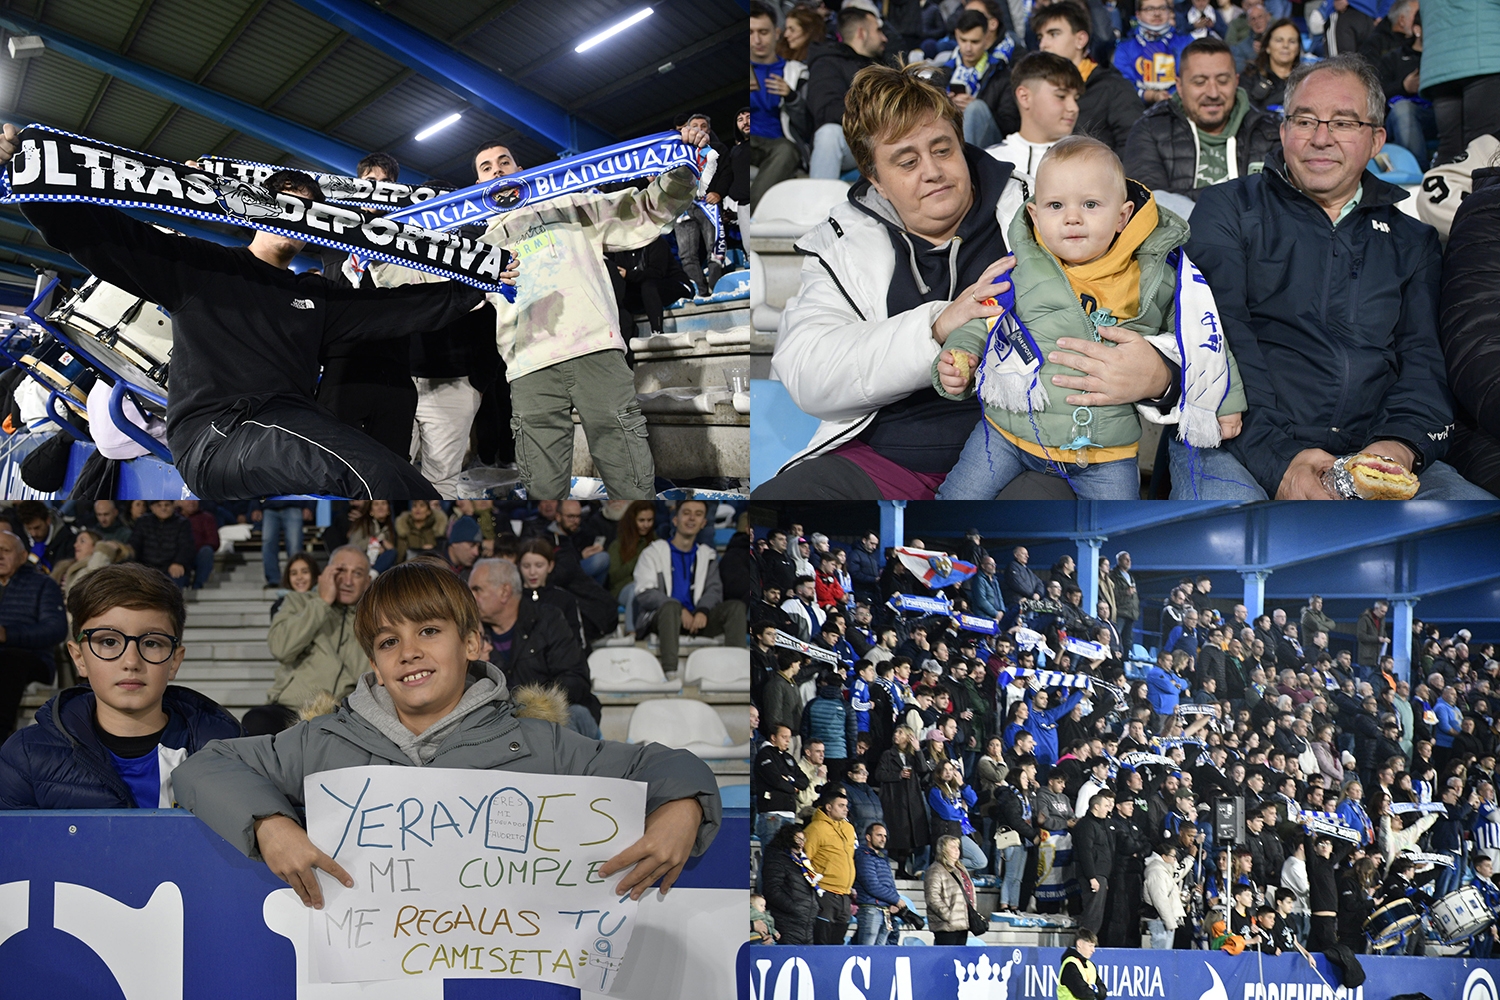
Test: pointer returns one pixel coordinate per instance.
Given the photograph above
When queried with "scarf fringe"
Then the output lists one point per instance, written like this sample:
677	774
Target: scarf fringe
1198	426
1013	391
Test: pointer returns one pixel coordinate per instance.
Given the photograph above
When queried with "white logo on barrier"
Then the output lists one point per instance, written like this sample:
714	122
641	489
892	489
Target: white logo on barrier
1480	986
1216	991
984	980
142	948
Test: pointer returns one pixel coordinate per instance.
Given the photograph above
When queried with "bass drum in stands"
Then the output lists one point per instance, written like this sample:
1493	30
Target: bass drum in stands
129	335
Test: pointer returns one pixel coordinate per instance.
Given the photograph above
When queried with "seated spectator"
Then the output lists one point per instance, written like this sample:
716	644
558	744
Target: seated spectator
108	523
464	539
1083	203
114	742
1148	57
420	530
885	430
1200	19
1205	134
677	588
1471	343
248	791
164	541
774	155
1411	122
300	577
371	528
535	562
1395	400
83	550
532	643
1264	81
51	539
637	530
278	518
313	634
554	574
1245	32
831	70
978	73
1109	104
1047	91
32	621
205	540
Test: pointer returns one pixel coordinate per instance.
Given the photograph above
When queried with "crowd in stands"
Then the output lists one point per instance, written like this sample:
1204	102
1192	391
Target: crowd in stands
1192	99
1075	760
472	632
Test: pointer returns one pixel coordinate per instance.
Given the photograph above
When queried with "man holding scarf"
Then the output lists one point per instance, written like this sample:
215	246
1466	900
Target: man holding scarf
247	336
560	339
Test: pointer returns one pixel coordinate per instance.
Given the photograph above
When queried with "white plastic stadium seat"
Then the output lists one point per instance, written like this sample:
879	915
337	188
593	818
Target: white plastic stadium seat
722	668
794	206
628	670
685	725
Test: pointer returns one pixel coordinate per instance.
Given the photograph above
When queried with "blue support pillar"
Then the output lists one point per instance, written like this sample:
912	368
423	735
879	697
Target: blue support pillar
1088	572
306	143
452	70
1401	611
892	523
1255	592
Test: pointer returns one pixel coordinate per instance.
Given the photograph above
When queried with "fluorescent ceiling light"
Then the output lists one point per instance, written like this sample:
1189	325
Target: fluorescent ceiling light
613	30
439	126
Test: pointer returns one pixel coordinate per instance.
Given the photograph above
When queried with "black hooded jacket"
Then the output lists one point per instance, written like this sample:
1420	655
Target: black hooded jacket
1466	326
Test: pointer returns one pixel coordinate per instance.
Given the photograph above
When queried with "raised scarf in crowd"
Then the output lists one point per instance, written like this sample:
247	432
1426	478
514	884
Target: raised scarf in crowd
56	166
784	641
341	190
625	161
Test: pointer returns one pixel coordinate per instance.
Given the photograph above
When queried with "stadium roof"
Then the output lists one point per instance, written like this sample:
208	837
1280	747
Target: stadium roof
364	75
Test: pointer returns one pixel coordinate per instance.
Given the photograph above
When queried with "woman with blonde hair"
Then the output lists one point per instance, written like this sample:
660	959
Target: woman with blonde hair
949	893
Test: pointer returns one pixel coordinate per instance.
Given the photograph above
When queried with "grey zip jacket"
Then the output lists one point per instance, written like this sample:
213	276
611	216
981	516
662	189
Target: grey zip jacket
230	783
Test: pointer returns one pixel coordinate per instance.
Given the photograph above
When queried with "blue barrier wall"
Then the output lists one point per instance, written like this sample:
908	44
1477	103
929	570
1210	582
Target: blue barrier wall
228	951
1007	972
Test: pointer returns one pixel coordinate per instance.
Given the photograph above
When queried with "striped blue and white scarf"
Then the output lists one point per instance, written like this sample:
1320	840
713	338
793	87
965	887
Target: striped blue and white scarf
56	166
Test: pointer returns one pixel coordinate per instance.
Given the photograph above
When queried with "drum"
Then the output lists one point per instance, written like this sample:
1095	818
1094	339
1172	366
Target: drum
59	368
1461	914
1386	925
129	335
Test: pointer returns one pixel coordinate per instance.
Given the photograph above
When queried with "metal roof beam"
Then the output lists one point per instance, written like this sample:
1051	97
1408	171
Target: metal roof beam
307	143
456	72
208	66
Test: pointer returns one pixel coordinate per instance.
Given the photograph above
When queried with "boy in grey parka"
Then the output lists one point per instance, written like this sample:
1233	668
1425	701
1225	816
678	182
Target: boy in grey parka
429	703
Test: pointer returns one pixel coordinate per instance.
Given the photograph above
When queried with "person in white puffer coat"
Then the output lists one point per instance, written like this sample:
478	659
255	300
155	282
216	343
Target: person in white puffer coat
1163	890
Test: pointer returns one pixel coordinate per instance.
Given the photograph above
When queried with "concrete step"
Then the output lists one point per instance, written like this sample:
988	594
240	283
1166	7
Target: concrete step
249	671
232	604
226	633
230	650
254	616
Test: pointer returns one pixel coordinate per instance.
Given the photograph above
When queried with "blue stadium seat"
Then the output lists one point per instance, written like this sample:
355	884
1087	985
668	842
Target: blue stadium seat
735	796
778	429
1404	166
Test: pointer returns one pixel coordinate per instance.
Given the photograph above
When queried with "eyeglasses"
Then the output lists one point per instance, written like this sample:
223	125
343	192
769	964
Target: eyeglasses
109	644
1305	126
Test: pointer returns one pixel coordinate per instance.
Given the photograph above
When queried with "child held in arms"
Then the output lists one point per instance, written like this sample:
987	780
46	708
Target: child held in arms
430	700
1093	250
115	741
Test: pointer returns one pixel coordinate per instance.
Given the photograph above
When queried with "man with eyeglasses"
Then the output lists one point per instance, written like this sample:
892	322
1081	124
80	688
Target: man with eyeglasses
1328	294
1148	56
1206	133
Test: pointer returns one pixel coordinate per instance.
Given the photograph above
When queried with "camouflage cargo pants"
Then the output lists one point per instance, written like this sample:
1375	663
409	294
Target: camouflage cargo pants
602	389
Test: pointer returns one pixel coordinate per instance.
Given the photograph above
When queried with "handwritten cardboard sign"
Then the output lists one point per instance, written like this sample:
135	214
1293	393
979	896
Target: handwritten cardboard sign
471	874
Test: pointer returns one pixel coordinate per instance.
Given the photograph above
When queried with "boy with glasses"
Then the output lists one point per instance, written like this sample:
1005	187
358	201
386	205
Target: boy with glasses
115	743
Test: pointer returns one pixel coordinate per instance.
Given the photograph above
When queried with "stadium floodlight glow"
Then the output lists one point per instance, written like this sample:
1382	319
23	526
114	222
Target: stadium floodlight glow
439	126
613	30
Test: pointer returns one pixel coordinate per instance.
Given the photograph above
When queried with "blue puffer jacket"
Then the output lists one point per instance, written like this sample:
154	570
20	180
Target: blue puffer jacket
31	610
873	881
830	719
59	763
864	568
1334	327
1460	39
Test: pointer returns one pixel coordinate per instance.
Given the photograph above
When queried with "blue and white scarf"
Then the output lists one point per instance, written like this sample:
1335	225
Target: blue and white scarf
626	161
56	166
807	649
1328	823
939	605
1045	678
